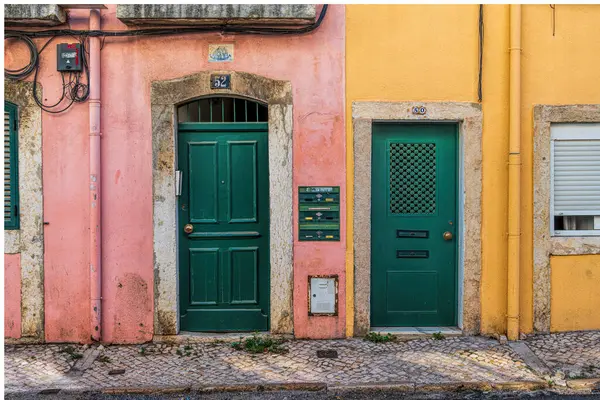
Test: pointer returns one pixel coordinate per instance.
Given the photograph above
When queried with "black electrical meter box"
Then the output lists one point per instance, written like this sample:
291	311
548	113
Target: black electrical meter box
68	57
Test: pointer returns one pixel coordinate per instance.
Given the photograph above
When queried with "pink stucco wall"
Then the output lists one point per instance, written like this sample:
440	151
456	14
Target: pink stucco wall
12	296
314	63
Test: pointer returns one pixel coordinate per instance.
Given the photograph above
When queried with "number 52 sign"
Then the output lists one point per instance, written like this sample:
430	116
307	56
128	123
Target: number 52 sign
220	81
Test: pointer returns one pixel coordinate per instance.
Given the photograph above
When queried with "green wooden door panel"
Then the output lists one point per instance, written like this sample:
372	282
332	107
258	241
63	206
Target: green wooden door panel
243	178
224	263
418	294
244	275
204	269
414	201
202	172
224	320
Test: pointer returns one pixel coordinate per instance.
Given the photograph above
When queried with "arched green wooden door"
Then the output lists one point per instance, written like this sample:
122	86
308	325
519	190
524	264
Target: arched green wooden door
223	213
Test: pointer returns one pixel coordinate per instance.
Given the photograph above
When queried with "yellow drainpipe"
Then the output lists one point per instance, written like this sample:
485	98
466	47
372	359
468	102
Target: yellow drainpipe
514	175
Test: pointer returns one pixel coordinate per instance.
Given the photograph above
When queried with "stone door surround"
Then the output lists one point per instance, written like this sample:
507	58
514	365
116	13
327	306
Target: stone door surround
470	120
166	96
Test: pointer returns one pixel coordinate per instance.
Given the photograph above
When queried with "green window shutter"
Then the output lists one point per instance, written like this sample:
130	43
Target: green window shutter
11	173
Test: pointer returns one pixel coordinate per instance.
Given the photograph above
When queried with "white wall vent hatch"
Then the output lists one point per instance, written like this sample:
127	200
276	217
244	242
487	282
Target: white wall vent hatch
323	291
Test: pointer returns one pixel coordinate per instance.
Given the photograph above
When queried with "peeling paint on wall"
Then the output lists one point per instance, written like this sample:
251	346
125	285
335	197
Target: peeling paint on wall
12	296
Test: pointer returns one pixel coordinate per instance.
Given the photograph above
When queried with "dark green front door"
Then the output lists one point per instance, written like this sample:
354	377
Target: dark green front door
414	225
224	261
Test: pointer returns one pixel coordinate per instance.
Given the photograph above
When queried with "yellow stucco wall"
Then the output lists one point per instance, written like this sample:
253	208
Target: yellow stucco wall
575	297
560	69
429	53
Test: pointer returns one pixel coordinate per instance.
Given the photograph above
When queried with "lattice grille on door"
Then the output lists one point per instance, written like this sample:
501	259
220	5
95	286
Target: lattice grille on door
412	178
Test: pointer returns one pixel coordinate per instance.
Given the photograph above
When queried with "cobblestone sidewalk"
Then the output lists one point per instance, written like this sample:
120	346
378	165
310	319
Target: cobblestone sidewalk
423	361
575	354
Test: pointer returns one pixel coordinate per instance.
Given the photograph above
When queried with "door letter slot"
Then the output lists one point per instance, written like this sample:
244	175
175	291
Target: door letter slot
412	234
412	253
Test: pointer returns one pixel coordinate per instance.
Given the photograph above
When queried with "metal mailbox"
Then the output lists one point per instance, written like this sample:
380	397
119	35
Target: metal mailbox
312	198
319	234
319	213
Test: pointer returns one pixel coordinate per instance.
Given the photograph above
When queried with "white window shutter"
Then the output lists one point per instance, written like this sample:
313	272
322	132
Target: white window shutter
576	177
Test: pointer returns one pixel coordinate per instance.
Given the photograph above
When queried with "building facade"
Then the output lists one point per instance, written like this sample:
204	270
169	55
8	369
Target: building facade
307	170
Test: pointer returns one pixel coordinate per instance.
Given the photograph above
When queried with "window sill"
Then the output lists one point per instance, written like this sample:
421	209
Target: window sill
574	245
577	233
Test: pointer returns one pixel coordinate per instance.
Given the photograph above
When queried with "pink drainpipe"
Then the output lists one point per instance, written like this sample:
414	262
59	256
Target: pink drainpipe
95	183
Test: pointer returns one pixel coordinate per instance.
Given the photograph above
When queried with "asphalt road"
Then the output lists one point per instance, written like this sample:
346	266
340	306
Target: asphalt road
371	395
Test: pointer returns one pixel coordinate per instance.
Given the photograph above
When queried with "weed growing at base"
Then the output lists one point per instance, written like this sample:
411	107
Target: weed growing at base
70	350
260	344
377	337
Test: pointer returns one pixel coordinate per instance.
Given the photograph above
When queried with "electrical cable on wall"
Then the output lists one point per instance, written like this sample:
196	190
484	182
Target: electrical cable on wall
24	72
73	89
553	7
76	91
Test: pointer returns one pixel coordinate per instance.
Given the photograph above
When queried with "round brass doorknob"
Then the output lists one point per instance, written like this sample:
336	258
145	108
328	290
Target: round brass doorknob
447	235
189	228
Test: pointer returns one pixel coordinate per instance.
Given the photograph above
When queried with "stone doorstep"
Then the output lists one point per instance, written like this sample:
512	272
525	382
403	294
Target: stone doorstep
405	334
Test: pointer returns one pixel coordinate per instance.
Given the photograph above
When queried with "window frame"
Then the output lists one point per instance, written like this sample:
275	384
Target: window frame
568	136
12	109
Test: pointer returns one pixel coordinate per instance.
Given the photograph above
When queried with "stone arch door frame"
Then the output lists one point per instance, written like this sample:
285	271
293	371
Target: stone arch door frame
166	95
469	118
